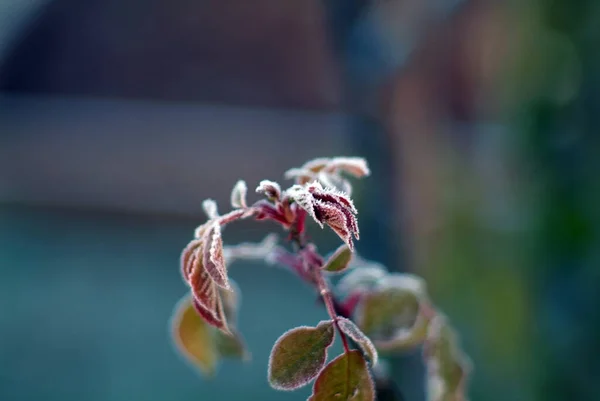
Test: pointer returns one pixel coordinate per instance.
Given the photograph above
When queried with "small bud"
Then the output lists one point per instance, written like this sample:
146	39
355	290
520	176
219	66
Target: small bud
270	189
210	208
238	195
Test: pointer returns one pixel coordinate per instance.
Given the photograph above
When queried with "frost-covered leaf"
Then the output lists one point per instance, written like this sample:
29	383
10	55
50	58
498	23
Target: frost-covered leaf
302	176
206	295
387	312
356	166
339	261
304	199
213	259
361	279
238	194
316	165
193	337
299	354
214	317
186	262
404	339
327	206
447	366
270	189
333	180
346	378
210	208
352	330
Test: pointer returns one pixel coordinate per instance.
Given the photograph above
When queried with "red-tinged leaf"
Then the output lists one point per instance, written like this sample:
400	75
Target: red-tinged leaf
207	297
304	199
266	210
352	330
346	378
299	355
216	319
187	256
210	208
213	259
238	194
332	195
270	189
193	337
335	217
339	261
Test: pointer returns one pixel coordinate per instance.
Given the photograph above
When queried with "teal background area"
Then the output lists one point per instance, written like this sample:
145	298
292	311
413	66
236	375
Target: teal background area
86	299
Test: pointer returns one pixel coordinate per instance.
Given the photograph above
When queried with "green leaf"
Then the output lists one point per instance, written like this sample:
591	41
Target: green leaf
448	367
193	337
299	355
338	262
352	330
200	343
344	378
391	310
404	339
231	346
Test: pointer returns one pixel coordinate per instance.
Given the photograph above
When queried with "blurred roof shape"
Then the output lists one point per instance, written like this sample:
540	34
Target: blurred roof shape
259	52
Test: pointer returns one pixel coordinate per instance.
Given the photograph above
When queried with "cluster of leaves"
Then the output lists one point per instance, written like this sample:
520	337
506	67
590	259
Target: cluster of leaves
373	311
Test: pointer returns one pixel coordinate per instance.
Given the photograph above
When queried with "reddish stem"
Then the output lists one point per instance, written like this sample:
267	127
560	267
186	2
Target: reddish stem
314	262
328	299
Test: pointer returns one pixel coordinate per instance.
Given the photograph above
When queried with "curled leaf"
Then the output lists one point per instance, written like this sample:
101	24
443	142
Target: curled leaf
355	166
187	255
213	259
327	206
270	189
352	330
346	378
339	261
299	355
238	194
206	295
210	208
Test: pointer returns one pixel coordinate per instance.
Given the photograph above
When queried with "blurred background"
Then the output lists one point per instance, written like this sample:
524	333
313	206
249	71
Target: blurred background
479	118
